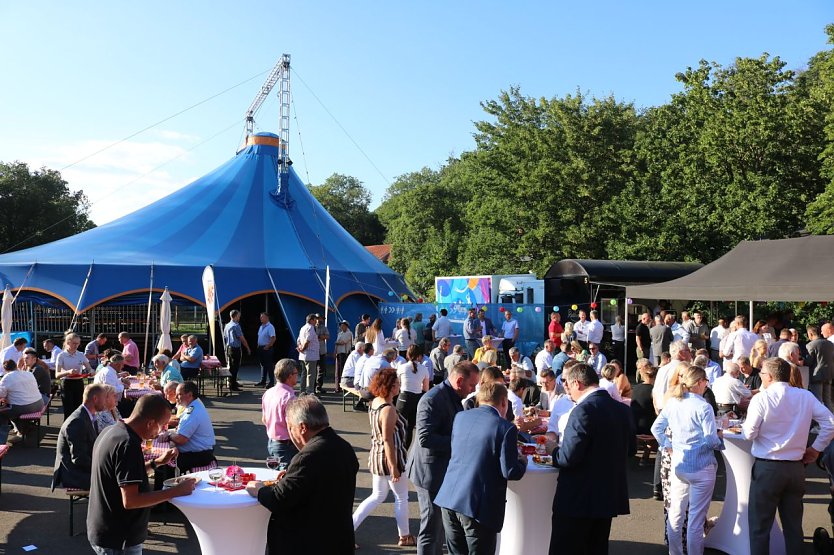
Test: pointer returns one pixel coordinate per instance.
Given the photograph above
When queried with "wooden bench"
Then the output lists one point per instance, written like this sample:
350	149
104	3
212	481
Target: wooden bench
35	418
75	496
3	450
347	392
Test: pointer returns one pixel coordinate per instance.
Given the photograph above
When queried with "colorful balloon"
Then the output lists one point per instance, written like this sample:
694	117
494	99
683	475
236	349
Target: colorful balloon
573	307
629	300
501	309
390	293
613	302
519	309
538	309
593	305
556	308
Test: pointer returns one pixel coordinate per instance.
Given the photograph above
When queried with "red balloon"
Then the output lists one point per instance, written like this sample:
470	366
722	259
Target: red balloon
593	305
501	309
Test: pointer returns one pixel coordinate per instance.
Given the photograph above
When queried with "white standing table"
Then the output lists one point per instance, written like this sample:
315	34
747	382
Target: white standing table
527	520
731	532
227	522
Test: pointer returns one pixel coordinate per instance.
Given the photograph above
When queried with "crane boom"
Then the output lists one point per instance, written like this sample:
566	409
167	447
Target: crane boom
280	71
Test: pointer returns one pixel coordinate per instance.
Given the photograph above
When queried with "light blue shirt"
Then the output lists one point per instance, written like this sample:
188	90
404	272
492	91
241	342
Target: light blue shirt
694	437
232	333
170	374
197	352
265	333
195	424
713	371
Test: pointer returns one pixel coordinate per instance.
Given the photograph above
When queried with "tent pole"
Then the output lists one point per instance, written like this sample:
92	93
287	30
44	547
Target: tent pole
277	296
750	320
81	297
326	294
148	322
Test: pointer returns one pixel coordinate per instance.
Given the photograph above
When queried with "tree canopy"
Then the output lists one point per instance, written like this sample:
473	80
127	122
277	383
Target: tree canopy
348	200
744	151
38	207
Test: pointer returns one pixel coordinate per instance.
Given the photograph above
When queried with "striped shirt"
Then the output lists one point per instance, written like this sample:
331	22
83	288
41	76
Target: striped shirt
694	437
377	463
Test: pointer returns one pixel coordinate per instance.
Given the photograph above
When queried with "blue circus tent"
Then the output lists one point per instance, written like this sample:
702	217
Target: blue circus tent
233	219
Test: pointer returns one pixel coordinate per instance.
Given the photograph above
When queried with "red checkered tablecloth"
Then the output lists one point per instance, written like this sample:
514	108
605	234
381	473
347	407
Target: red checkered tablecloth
158	449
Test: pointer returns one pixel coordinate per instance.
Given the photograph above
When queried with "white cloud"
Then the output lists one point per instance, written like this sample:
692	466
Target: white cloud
122	178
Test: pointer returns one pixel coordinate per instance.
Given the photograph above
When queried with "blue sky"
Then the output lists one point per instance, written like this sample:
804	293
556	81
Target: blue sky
404	79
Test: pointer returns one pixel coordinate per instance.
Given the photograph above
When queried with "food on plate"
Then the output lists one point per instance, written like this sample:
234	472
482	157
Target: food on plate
171	482
542	459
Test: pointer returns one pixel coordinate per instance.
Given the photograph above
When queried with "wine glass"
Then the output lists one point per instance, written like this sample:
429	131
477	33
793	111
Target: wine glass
272	463
214	475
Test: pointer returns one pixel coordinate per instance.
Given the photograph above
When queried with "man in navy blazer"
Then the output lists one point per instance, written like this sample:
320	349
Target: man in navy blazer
484	456
431	452
593	486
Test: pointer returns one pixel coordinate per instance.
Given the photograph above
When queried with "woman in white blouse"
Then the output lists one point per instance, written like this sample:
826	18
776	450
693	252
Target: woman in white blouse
414	381
405	336
71	366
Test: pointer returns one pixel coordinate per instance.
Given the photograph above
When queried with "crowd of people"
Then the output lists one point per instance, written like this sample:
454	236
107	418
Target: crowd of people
446	420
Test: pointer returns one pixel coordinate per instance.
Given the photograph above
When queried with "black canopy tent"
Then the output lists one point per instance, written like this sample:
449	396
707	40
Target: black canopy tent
800	269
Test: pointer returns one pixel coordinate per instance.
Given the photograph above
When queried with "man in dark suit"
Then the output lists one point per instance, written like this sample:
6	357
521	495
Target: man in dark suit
484	456
593	486
74	452
431	452
312	502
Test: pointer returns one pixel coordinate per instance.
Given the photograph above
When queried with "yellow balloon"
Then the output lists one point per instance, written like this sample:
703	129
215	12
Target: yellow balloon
573	307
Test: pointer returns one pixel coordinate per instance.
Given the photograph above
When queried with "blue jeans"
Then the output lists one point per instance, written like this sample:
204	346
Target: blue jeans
464	536
284	452
132	550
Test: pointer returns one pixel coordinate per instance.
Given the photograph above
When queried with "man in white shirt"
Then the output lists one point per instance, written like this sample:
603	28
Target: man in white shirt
596	360
740	342
595	329
680	353
778	421
52	350
581	329
509	331
522	362
442	326
266	339
679	333
730	393
349	371
544	358
373	365
14	351
712	368
827	331
716	334
308	354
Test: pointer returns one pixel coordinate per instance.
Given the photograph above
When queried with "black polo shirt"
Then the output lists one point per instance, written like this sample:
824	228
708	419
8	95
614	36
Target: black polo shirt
117	461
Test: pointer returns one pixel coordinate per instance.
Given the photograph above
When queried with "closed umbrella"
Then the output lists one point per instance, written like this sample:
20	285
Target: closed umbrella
165	323
6	319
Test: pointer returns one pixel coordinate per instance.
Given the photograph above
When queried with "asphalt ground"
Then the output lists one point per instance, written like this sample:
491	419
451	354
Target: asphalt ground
32	515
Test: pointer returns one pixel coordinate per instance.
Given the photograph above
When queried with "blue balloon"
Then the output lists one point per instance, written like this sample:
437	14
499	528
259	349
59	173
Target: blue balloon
390	293
555	309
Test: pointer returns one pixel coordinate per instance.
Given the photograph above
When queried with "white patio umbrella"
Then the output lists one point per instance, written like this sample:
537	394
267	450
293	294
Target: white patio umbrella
6	318
165	323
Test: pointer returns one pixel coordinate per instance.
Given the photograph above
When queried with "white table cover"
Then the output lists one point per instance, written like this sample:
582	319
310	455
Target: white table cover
731	532
227	523
527	520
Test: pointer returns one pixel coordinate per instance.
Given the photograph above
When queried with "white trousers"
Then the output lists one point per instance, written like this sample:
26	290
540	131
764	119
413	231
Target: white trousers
381	485
690	495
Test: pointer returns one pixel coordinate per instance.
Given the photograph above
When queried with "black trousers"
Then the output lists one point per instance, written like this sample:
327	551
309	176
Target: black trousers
407	406
776	485
195	459
341	359
233	355
579	536
267	369
72	396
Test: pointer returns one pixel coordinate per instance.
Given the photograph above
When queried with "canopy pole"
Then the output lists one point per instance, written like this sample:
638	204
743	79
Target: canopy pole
625	342
148	322
220	320
750	320
81	297
277	296
326	293
22	283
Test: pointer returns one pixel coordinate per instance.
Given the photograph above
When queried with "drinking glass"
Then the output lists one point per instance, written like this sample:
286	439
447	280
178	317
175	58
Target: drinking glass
214	475
272	463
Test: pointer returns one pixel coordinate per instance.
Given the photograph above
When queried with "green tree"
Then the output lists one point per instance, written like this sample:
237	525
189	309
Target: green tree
347	200
38	207
819	79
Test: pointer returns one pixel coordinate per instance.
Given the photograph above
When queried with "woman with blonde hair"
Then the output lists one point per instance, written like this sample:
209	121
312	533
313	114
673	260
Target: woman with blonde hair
110	415
577	352
482	353
375	336
568	336
758	354
694	437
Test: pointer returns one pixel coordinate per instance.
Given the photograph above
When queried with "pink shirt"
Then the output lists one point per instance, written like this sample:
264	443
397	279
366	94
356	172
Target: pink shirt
131	354
274	407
